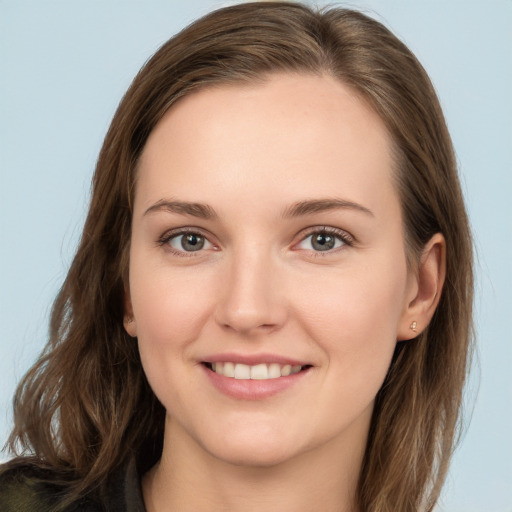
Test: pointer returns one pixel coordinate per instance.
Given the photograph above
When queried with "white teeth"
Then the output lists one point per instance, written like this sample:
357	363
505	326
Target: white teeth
286	370
260	371
242	371
274	371
229	369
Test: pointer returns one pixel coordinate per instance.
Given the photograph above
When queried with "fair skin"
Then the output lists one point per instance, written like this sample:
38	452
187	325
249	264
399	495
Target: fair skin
293	253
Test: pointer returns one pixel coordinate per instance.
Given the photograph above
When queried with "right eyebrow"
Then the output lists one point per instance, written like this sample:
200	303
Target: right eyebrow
200	210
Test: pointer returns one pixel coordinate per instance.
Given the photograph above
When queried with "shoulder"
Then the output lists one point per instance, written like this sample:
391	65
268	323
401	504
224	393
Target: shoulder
26	488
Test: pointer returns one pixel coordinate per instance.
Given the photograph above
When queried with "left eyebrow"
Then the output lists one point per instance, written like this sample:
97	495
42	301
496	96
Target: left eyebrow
320	205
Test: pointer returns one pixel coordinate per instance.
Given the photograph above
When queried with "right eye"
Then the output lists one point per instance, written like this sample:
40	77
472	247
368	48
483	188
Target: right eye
188	242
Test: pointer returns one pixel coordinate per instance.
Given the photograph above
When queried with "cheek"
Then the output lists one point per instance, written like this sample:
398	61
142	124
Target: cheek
353	316
355	303
169	306
170	311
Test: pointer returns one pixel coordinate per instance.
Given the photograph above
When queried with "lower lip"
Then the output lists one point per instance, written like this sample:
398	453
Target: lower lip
249	389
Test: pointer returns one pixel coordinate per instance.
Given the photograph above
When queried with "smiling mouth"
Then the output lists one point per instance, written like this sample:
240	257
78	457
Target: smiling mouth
255	372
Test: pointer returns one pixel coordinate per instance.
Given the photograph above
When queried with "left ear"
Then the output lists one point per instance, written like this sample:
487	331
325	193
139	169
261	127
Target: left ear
424	289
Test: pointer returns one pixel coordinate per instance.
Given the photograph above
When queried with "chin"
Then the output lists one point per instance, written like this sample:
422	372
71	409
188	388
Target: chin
253	450
253	456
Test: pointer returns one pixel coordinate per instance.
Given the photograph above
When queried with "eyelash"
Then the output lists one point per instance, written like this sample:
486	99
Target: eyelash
339	234
169	235
343	236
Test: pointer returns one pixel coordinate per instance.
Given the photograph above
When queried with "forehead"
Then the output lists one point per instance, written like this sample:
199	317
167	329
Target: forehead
291	134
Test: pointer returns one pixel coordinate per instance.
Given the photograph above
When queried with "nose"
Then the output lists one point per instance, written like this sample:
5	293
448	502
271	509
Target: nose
252	299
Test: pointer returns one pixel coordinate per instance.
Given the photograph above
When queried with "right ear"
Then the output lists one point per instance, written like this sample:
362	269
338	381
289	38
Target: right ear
130	325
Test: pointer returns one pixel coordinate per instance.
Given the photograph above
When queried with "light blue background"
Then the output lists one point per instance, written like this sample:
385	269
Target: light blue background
64	66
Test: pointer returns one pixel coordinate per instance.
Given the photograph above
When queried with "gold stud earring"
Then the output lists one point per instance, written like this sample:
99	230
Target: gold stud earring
414	325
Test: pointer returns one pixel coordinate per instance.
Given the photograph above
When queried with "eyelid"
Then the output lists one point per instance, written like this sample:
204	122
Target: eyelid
341	234
166	237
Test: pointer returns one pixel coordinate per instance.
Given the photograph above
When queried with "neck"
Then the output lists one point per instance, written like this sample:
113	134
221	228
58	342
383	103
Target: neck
188	478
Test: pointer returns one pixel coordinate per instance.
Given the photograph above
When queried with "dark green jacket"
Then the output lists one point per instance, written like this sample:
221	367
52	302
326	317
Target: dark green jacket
25	489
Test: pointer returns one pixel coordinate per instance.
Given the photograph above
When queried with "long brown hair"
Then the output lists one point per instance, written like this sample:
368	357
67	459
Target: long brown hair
85	407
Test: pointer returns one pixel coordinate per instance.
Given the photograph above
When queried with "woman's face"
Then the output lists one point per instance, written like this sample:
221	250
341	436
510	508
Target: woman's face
267	239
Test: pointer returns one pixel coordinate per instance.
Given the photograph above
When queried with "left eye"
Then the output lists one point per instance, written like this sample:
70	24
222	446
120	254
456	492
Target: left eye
189	242
321	241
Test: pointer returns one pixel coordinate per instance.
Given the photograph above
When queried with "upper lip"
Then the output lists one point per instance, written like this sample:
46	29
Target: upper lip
253	359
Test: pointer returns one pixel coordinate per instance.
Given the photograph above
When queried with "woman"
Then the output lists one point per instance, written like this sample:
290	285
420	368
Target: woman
271	300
